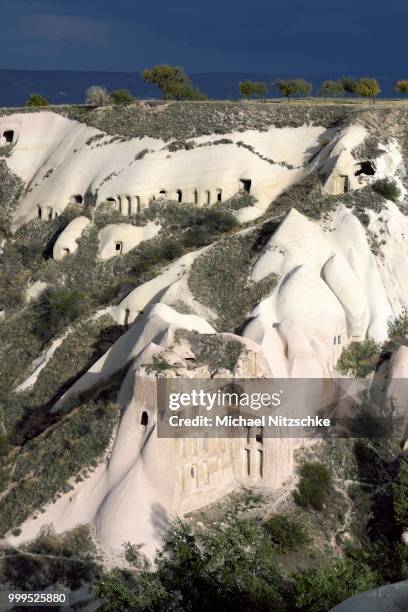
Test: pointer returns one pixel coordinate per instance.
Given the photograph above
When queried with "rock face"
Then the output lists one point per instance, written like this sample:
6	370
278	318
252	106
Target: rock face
332	289
66	243
118	238
65	162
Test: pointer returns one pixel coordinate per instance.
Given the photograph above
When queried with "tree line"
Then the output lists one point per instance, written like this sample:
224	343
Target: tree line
174	84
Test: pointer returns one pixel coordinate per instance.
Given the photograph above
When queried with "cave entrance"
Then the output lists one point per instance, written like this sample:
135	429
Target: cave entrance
65	252
246	185
163	194
367	168
8	136
145	419
219	195
179	195
118	247
76	199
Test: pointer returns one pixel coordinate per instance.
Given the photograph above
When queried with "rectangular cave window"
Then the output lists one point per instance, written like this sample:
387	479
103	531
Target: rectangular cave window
179	195
8	136
259	435
260	463
346	184
247	461
219	195
193	473
118	247
338	339
246	185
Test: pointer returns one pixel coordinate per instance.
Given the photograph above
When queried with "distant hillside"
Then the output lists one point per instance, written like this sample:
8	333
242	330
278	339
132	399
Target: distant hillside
62	86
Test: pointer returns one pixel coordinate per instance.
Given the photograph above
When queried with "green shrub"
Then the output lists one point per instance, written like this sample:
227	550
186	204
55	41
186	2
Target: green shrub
121	97
314	485
37	100
286	534
387	188
359	358
56	308
397	332
324	586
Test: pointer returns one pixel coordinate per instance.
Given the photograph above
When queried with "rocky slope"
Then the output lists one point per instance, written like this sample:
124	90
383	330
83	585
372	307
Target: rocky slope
297	250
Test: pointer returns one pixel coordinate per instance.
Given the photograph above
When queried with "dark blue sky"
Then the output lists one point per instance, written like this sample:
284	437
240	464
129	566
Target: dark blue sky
292	37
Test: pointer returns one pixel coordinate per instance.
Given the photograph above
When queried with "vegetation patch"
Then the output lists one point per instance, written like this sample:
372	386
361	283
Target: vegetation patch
360	358
286	533
213	350
69	560
314	485
219	279
387	188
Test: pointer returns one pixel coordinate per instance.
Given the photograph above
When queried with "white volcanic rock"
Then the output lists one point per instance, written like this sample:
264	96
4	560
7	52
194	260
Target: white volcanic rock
168	287
64	161
118	238
67	241
330	293
157	326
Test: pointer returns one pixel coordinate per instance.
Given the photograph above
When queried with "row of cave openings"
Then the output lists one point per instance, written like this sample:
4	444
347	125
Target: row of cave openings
47	212
130	205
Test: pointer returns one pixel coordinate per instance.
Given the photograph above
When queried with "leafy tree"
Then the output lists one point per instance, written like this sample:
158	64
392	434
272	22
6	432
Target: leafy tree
387	188
225	567
397	332
37	100
322	587
368	88
314	485
331	89
97	95
348	84
359	358
286	534
121	97
173	82
401	86
249	89
294	86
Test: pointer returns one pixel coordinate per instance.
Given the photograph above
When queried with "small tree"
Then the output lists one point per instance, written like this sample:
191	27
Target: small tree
368	88
387	188
294	86
331	89
121	97
348	84
359	358
173	82
401	86
97	95
256	89
37	100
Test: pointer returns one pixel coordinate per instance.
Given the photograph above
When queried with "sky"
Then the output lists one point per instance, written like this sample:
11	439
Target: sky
286	37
